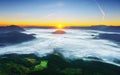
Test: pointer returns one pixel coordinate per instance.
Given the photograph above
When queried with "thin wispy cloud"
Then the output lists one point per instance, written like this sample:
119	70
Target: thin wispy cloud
101	9
50	15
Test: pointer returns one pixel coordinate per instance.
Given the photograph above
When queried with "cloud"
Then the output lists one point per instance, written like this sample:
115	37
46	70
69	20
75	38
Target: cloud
81	45
101	10
52	7
50	15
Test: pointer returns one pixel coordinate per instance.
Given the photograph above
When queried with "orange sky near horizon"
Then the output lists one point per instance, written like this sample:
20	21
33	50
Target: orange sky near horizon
53	22
76	23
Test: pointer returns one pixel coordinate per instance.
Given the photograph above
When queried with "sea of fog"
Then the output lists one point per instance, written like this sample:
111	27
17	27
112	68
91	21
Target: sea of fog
74	44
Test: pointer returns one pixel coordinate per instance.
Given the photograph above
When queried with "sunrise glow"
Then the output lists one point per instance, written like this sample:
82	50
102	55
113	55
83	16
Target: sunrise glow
59	26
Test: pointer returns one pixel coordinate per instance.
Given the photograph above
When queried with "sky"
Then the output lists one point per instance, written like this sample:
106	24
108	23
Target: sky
65	12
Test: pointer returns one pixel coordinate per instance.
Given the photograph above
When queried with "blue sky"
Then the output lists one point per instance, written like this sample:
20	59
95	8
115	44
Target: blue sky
67	12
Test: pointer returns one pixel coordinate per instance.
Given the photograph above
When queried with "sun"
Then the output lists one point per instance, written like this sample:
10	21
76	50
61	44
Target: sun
59	26
59	29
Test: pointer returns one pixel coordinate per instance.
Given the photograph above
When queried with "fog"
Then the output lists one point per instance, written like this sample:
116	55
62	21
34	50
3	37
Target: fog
75	44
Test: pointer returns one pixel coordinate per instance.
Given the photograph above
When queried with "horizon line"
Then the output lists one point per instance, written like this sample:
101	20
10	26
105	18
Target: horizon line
55	26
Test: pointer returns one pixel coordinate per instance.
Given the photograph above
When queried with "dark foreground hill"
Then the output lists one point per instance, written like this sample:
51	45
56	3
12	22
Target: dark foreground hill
12	35
14	38
13	64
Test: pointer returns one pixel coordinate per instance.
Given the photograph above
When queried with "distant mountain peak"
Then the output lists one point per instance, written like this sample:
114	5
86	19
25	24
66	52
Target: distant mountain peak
11	28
